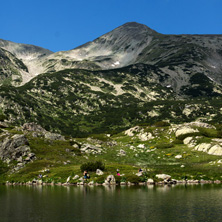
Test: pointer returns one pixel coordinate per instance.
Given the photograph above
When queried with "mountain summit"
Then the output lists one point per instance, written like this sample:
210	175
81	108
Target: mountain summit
117	48
179	57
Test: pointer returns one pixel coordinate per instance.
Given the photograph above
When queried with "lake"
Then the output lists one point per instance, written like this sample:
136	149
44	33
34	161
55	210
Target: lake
111	203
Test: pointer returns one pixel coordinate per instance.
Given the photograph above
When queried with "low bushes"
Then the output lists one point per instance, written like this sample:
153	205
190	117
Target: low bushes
92	166
164	145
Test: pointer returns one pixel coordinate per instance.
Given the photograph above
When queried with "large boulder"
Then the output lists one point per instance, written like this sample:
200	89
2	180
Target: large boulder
204	147
213	149
163	177
185	130
110	180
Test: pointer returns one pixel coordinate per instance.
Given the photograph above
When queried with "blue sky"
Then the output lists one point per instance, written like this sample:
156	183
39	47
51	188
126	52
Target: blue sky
63	25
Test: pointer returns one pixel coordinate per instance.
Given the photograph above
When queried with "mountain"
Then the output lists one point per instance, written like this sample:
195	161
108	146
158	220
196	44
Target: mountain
29	55
130	75
178	56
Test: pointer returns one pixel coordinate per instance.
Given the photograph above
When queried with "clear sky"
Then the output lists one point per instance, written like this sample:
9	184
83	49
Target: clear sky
65	24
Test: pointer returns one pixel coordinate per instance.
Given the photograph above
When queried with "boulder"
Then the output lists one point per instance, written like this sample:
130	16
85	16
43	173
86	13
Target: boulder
110	180
132	131
215	150
91	183
185	130
190	142
145	136
54	136
122	153
99	172
75	177
204	147
210	148
150	181
178	156
139	174
163	176
68	179
89	148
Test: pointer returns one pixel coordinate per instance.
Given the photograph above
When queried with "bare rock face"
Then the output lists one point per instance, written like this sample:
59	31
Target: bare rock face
33	127
16	148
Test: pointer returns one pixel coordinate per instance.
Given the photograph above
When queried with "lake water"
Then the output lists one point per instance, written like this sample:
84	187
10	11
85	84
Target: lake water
145	203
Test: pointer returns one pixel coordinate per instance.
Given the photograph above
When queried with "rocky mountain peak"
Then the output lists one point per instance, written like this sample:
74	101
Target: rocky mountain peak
137	27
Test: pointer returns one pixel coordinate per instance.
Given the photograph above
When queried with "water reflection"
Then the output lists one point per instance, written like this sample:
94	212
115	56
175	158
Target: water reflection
111	203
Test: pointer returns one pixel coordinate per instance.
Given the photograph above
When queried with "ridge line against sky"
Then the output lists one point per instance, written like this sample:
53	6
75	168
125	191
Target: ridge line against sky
64	25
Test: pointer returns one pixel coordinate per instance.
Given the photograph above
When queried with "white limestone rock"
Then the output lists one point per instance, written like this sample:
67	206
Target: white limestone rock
215	150
163	176
150	181
145	136
204	147
99	172
132	131
185	130
178	156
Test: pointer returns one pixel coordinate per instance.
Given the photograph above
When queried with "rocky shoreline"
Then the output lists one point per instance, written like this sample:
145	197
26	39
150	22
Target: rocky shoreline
91	183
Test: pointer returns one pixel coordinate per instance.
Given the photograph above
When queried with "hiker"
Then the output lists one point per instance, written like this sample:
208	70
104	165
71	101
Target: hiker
140	170
40	176
117	172
85	173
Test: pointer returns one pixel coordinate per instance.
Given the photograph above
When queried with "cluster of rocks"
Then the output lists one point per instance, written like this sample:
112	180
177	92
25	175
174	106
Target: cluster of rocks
213	148
162	179
16	148
91	149
39	131
139	132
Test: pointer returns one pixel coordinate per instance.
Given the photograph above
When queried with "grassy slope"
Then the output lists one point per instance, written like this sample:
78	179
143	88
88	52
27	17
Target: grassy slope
155	158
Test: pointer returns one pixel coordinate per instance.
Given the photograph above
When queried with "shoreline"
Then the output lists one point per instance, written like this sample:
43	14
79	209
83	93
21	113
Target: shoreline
160	183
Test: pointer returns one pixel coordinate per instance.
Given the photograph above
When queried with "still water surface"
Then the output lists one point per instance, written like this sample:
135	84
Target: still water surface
149	203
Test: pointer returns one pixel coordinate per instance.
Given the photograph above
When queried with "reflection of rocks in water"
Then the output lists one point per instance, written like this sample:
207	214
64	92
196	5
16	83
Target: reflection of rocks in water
111	189
150	186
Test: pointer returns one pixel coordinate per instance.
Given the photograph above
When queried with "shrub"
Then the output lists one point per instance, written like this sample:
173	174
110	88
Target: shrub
133	179
177	141
92	166
164	145
182	137
100	179
161	124
208	132
2	117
